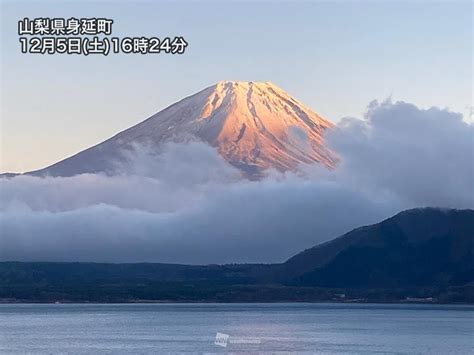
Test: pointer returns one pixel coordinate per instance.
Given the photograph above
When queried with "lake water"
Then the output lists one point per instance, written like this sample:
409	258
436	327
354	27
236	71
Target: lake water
299	328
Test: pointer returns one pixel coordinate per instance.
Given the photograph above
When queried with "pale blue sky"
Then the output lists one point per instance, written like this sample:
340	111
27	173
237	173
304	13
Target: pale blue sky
335	57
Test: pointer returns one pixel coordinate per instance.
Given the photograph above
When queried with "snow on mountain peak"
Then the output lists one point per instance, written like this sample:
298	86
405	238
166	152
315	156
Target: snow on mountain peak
261	126
253	125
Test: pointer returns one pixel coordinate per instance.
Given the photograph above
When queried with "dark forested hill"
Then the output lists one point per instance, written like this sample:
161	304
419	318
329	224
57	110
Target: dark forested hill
420	247
417	253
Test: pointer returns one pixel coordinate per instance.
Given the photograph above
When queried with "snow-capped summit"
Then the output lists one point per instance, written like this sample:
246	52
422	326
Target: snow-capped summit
253	125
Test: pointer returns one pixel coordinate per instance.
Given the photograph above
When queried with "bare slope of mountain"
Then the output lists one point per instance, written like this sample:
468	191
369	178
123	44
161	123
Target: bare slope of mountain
254	126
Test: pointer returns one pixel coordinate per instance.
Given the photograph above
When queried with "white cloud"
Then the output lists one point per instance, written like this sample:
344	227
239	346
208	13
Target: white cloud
186	205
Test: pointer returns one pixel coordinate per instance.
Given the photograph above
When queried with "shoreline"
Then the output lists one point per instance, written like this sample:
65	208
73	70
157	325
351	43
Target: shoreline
237	302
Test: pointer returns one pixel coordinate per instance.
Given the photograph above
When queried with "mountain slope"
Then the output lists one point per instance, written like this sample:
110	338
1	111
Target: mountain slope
254	126
419	247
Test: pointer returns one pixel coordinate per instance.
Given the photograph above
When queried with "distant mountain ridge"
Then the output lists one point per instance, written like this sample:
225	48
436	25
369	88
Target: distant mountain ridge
425	253
254	126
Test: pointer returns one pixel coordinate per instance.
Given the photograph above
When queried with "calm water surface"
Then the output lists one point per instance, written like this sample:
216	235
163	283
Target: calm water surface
251	328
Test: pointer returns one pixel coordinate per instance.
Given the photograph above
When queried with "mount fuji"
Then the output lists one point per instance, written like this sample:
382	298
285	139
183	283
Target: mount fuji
254	127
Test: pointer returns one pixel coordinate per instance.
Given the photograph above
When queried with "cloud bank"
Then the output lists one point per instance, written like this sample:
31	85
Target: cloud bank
187	205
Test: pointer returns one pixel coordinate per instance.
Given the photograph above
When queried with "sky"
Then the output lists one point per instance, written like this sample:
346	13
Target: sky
335	57
395	77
